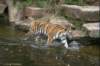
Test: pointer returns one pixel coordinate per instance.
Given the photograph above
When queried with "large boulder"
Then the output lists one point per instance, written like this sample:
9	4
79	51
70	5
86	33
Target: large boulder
73	11
78	34
90	13
93	29
85	13
33	12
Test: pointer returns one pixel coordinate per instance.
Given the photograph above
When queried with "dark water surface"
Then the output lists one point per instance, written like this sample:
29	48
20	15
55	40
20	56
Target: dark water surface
16	52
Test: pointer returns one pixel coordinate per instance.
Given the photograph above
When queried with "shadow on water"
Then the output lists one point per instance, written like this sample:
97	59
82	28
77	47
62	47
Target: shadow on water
16	52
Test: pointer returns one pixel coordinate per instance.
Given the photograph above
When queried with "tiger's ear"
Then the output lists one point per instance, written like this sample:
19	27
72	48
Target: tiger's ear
67	27
71	26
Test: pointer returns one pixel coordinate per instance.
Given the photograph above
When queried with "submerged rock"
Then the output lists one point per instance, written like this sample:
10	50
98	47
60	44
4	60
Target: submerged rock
74	45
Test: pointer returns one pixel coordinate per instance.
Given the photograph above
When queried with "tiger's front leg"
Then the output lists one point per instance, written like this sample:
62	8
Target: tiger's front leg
64	40
49	41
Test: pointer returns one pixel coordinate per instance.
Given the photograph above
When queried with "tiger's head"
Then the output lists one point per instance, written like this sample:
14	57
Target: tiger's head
69	29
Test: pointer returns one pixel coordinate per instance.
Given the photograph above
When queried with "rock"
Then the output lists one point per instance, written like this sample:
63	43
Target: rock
33	12
2	8
74	44
12	10
78	34
73	11
93	29
3	1
85	13
90	13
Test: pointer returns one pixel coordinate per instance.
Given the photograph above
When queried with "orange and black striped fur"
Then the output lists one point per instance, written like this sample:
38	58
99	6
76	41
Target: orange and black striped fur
52	31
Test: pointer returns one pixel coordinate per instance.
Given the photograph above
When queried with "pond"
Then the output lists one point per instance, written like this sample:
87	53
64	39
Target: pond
16	52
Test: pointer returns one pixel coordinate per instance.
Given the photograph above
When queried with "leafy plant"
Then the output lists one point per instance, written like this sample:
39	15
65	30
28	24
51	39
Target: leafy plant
75	2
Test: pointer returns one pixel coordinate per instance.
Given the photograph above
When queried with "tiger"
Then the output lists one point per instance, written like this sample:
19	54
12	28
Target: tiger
52	31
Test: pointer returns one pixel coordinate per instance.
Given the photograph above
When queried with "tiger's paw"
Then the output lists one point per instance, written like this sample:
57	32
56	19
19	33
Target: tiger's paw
66	46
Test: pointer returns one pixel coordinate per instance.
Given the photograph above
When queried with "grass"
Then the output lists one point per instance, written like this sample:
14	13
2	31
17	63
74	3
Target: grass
77	22
40	3
43	3
75	2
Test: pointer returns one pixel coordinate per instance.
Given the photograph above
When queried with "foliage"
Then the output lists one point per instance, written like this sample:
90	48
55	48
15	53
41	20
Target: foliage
20	4
77	22
40	3
25	2
75	2
44	3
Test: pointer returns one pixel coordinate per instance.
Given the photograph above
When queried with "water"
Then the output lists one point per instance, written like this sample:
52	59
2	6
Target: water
16	52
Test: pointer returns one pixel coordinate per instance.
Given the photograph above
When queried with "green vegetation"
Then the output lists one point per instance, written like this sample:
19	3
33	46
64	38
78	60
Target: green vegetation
75	2
77	22
43	3
40	3
24	2
27	2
